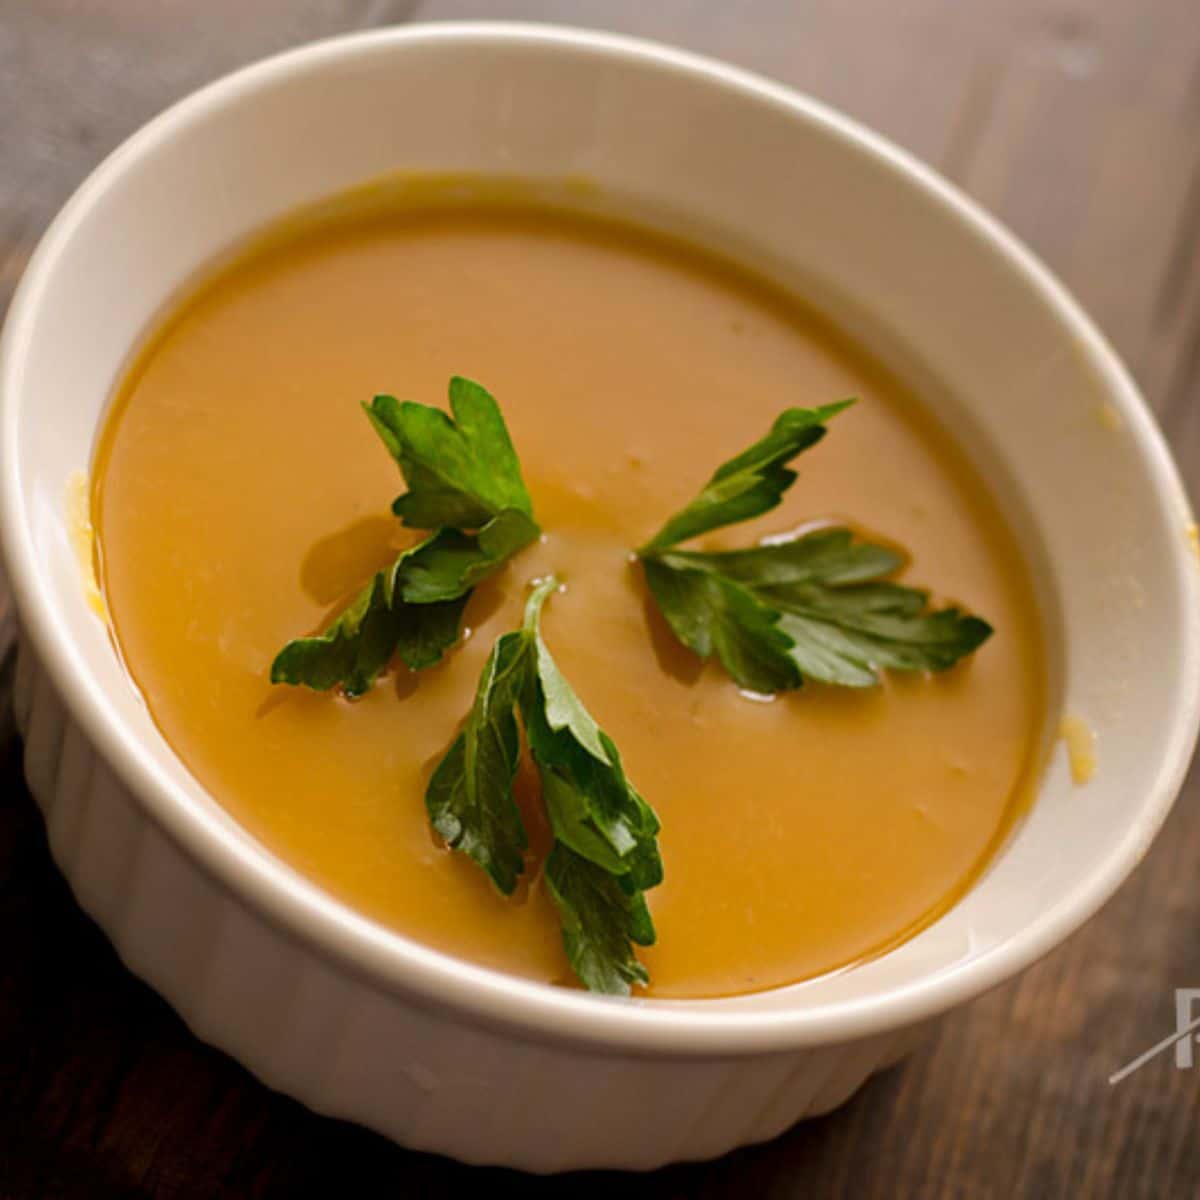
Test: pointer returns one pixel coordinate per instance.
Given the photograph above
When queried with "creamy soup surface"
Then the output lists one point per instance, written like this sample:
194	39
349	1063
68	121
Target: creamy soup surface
240	496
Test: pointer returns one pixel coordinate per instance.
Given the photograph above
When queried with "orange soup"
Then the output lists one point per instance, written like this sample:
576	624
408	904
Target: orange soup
240	497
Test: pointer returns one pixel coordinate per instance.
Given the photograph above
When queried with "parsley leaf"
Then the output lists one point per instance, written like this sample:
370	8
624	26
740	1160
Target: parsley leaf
751	483
848	635
470	797
463	475
600	920
413	607
829	555
461	470
709	613
356	646
591	804
451	562
605	851
816	603
817	606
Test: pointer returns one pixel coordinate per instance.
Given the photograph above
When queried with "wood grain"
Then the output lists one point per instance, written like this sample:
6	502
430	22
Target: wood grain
1075	121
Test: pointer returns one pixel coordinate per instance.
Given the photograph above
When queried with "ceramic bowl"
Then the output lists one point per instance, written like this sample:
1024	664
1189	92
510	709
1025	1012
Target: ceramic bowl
358	1021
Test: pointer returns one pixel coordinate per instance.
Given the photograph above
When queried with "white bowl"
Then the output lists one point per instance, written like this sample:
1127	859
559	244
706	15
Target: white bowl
358	1021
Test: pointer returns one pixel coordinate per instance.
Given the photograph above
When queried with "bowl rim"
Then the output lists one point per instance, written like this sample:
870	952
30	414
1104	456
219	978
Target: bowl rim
390	961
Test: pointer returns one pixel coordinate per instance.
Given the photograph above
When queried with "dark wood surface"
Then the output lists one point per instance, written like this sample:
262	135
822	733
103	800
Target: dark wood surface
1078	123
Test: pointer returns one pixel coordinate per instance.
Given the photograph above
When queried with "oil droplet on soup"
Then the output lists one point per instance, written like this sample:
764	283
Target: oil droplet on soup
240	496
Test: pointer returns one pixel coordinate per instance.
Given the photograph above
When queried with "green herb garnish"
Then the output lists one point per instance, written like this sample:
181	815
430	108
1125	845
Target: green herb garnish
461	470
465	482
752	482
364	637
605	852
815	605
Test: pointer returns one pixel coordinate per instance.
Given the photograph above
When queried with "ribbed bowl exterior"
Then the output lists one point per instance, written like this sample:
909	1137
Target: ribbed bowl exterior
351	1049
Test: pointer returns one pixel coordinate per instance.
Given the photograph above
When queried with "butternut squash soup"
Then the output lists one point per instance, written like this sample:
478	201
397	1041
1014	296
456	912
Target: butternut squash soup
241	498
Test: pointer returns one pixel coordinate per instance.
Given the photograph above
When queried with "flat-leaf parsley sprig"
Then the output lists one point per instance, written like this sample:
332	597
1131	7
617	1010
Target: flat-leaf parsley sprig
605	851
816	605
464	482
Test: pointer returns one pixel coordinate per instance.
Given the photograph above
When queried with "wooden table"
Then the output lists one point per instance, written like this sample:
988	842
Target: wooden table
1078	123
